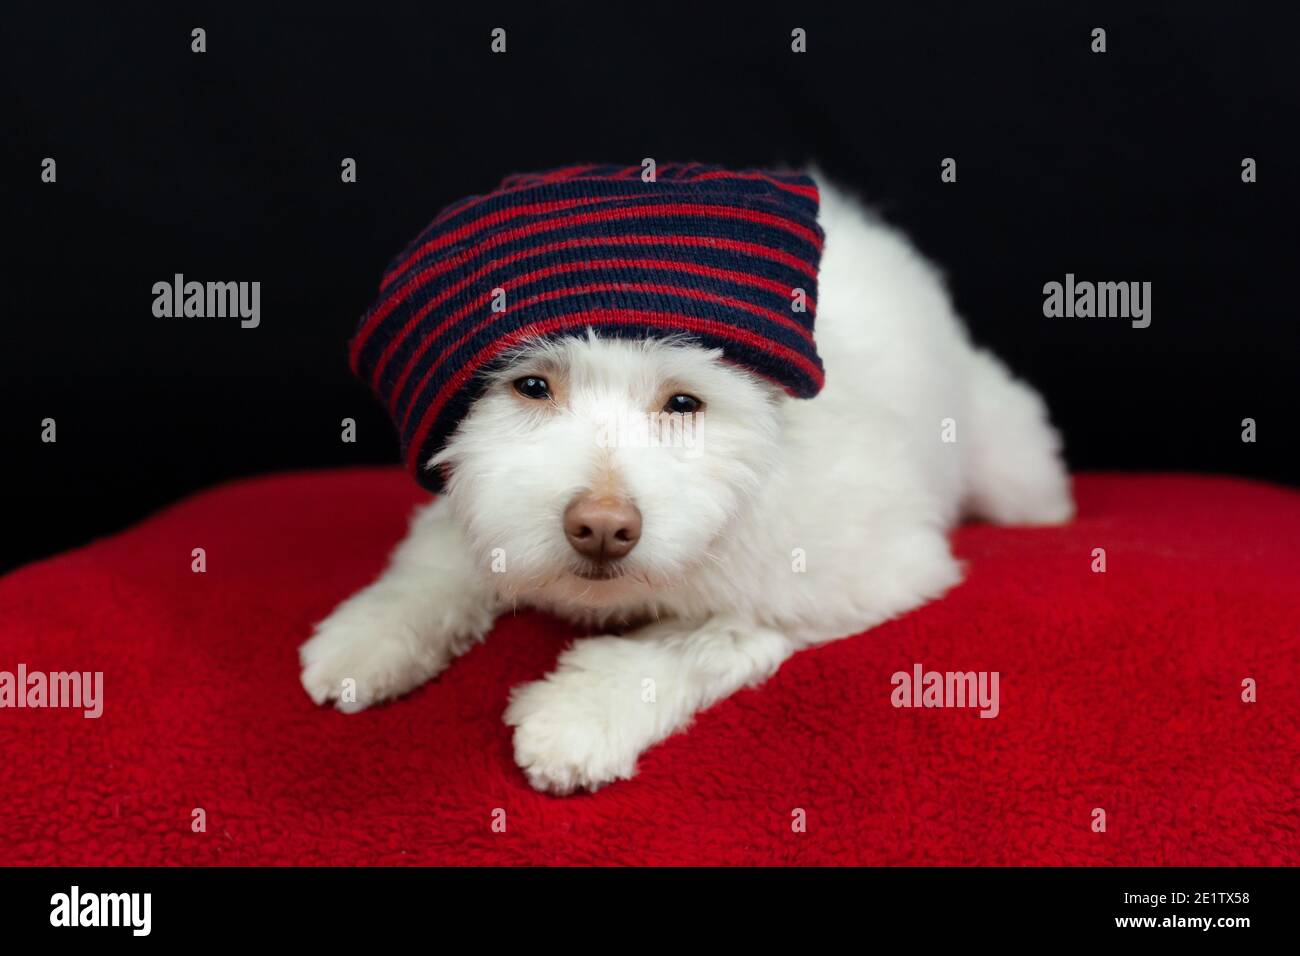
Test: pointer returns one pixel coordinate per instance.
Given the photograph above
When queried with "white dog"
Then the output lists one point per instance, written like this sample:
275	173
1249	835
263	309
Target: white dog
774	525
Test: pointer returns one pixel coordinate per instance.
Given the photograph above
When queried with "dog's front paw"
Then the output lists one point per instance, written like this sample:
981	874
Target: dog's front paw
569	734
355	660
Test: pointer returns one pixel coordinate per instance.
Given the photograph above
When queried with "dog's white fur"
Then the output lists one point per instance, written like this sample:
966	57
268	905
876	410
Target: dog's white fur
791	523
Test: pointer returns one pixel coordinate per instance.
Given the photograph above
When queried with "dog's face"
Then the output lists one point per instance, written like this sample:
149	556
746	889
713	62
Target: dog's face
596	472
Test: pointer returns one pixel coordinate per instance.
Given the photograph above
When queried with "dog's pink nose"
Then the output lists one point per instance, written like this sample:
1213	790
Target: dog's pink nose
602	528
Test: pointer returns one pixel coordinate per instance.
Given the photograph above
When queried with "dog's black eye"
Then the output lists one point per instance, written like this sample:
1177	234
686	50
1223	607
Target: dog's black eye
532	387
683	404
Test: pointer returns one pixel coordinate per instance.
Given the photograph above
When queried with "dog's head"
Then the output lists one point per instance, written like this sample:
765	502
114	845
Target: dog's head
599	471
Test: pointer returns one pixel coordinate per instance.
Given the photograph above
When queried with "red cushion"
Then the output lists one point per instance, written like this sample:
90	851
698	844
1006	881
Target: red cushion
1119	690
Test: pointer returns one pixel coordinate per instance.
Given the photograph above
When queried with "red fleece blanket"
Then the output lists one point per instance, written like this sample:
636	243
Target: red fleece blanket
1120	691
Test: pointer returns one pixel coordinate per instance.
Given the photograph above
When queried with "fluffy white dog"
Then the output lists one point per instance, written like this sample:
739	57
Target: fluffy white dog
769	526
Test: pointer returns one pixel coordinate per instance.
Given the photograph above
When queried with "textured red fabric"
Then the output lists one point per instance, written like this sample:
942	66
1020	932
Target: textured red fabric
1119	690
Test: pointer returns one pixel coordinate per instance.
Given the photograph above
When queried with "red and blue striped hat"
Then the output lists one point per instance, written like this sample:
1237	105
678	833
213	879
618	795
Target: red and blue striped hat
719	255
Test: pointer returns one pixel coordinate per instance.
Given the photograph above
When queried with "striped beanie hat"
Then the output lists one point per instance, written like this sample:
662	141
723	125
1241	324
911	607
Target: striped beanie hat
726	257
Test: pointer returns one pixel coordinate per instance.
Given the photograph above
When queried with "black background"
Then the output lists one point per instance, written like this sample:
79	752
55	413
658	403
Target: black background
937	907
1123	166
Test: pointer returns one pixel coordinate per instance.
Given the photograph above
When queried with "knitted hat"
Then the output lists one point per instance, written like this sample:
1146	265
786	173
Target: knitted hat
718	255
